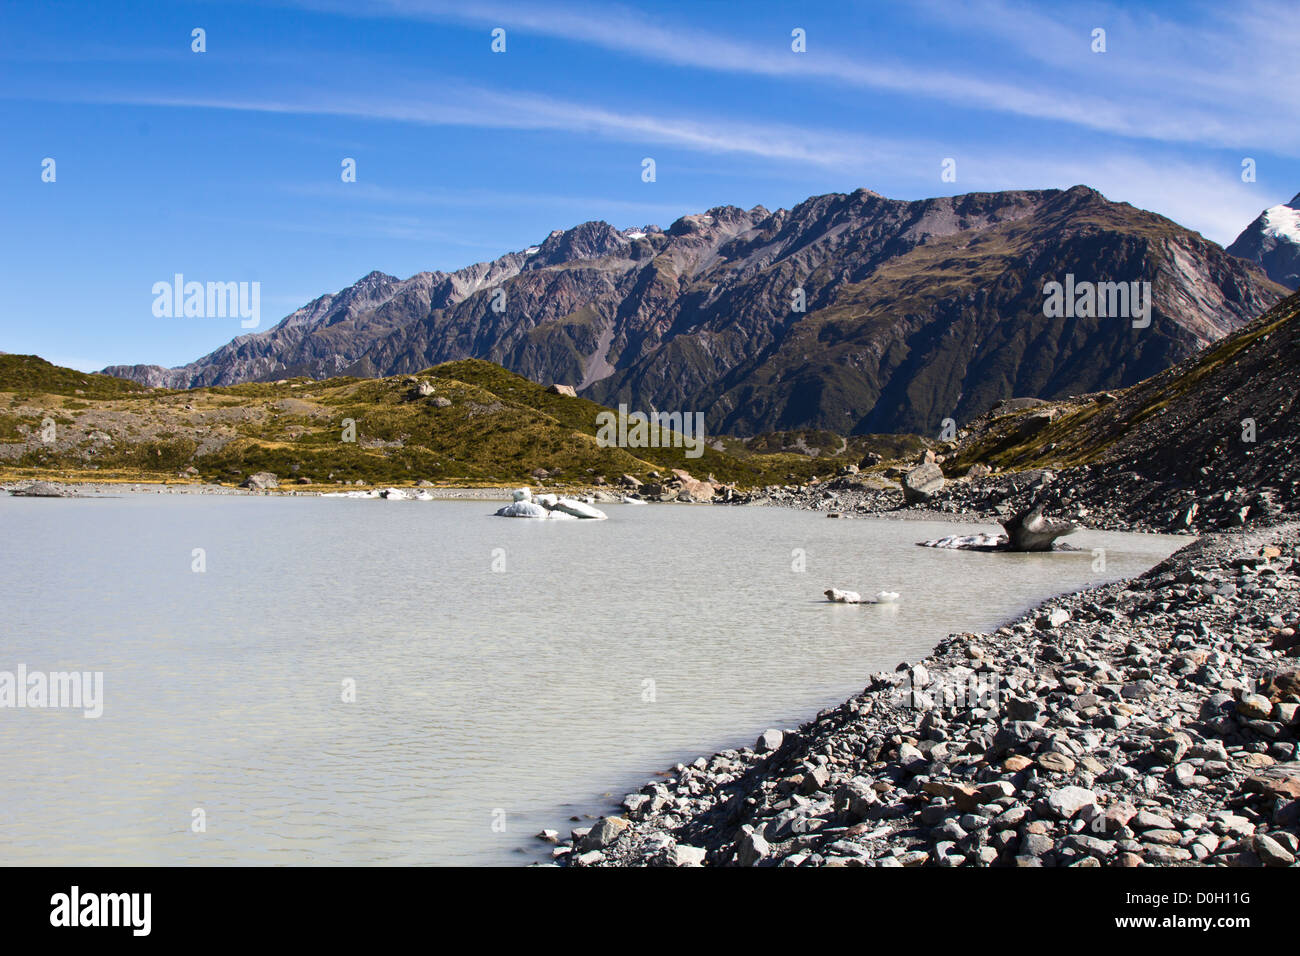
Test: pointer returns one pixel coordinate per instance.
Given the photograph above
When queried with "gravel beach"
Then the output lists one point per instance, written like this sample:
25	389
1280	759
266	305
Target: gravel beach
1146	722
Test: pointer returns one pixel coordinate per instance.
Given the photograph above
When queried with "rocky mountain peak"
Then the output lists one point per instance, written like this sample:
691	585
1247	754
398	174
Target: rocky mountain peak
1272	242
589	240
691	223
729	215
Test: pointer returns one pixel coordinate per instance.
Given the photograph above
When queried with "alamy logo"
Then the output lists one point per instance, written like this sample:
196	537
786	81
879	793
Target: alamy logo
656	430
957	689
78	690
75	908
213	300
1102	300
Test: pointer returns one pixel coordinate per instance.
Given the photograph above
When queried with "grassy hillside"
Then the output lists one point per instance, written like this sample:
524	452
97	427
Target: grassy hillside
468	422
30	376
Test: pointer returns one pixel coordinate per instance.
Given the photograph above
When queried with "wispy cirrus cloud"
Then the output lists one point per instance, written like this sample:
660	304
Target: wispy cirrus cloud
1190	190
470	106
480	198
1221	69
1195	194
1211	83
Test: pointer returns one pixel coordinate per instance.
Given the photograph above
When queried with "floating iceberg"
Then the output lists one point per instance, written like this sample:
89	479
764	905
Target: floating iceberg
523	509
969	542
836	596
579	509
1028	530
548	506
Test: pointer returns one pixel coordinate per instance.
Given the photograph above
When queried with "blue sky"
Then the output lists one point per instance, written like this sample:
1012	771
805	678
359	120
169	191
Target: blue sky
225	165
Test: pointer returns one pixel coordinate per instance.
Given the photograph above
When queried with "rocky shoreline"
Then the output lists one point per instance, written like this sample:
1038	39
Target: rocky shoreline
90	489
1083	495
1145	722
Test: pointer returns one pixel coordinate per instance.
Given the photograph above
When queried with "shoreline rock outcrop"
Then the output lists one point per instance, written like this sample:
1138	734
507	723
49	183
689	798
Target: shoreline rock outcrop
922	483
43	489
261	481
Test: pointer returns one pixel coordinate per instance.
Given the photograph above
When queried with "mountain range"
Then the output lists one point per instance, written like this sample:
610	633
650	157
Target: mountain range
849	312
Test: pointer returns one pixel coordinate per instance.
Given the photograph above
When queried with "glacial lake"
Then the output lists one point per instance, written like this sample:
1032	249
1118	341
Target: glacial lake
489	703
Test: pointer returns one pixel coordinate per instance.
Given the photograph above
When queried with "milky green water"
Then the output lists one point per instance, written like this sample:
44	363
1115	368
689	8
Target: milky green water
488	703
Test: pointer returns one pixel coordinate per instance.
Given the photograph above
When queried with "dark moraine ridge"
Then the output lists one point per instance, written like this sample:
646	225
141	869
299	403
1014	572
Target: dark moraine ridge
1210	444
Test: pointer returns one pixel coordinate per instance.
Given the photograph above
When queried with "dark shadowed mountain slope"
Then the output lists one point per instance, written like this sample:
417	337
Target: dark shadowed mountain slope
1212	442
914	311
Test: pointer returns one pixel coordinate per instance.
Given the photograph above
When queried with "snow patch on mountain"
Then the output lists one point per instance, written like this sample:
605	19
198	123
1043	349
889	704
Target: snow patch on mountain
1283	222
